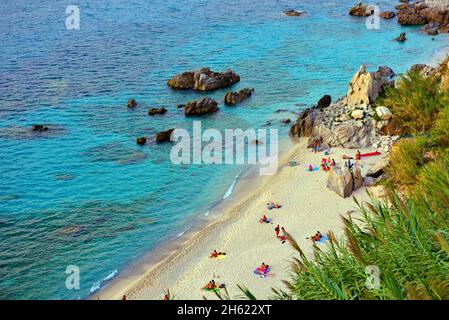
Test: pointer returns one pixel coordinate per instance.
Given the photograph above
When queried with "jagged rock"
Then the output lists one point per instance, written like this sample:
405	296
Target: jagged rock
324	102
343	181
233	98
365	87
423	69
384	113
153	111
203	80
304	124
352	134
39	127
361	10
385	72
401	37
164	136
411	16
357	114
377	170
293	13
141	141
180	106
286	121
387	15
132	103
200	107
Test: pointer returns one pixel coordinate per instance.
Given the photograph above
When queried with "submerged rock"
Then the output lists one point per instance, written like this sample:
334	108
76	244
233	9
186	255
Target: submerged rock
233	98
401	37
200	107
153	111
203	80
132	103
293	13
39	127
141	141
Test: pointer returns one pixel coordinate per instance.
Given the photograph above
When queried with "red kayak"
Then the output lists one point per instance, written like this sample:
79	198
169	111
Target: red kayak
370	154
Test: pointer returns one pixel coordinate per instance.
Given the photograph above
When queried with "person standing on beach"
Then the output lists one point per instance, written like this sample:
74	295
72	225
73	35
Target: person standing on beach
277	231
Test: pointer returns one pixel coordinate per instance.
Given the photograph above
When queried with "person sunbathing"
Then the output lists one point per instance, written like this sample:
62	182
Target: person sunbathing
215	254
210	286
310	167
358	155
263	219
263	267
317	236
333	164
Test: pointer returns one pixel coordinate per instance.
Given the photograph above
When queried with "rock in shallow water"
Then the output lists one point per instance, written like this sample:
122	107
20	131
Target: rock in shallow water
233	98
203	80
361	10
164	136
153	111
200	107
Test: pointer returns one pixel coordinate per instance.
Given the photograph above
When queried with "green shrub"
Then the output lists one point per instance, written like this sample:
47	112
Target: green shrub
414	102
406	160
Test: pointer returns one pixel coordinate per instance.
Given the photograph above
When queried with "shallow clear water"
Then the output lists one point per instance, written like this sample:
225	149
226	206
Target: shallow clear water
86	194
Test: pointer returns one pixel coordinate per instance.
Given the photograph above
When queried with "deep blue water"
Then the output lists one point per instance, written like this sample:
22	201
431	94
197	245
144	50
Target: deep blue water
86	194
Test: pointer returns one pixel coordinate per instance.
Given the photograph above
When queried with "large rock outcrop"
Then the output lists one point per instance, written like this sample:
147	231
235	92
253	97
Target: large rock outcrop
365	87
304	124
350	122
200	107
203	80
433	13
344	181
233	98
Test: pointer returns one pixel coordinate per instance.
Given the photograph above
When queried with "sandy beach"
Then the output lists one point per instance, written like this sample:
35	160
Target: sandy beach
307	206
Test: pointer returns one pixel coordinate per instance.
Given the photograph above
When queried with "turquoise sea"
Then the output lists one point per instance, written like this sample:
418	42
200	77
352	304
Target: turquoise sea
84	193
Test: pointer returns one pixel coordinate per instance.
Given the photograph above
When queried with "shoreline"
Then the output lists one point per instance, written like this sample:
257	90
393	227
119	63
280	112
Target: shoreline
217	213
176	267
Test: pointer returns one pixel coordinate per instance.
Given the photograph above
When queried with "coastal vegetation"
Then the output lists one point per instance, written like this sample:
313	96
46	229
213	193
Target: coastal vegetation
406	235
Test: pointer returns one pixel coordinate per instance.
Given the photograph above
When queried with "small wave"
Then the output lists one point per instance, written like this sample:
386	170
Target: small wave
181	233
98	284
231	188
207	213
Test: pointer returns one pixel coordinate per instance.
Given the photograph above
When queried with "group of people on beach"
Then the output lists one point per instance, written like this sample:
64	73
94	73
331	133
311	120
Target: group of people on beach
327	164
272	205
282	237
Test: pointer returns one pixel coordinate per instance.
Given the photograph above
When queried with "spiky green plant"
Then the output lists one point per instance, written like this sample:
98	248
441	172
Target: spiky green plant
408	240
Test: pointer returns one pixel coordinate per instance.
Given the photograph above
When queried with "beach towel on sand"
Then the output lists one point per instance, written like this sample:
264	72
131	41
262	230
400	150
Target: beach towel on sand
261	273
370	154
216	289
323	239
314	168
